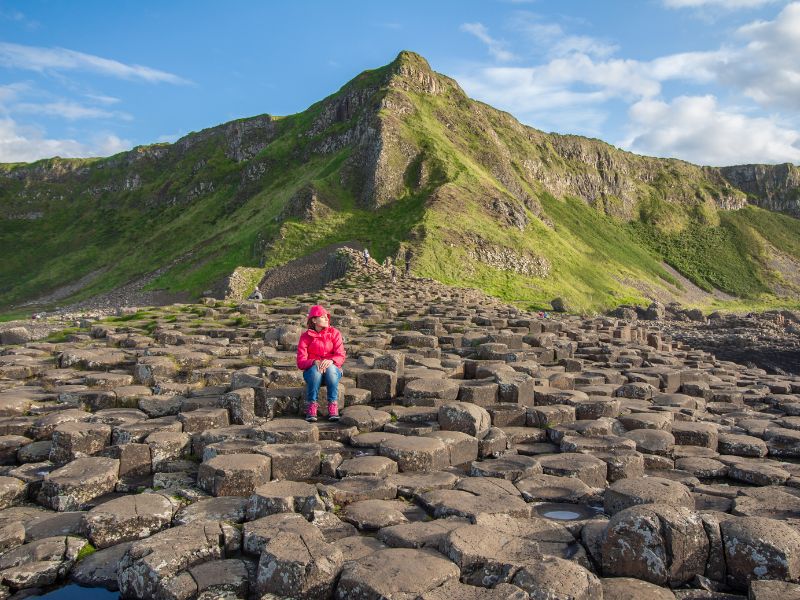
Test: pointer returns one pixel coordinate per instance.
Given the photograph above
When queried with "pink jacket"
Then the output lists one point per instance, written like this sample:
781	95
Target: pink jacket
319	345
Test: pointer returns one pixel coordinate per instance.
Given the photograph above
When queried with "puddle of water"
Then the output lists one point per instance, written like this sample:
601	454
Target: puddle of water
560	511
561	515
77	592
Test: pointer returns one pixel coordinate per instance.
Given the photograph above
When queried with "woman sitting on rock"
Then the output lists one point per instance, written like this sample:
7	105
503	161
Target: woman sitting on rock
320	355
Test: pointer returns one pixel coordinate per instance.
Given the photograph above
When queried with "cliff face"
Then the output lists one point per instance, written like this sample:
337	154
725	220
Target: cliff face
773	187
400	140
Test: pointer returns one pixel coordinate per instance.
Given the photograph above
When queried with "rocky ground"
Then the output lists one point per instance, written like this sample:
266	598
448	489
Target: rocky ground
483	453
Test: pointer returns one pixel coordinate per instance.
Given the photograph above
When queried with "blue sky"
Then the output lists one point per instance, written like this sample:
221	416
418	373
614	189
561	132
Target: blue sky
710	81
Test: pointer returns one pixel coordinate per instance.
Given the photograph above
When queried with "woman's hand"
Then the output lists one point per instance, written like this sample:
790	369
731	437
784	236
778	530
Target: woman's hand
324	364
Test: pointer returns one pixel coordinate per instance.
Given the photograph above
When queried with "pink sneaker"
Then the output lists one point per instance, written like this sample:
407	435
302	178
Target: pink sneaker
333	411
311	413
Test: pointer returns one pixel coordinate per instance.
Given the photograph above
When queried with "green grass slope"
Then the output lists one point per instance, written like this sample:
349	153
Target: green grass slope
399	157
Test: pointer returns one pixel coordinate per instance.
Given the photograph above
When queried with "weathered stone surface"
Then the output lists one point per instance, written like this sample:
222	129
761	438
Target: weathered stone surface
592	471
461	447
628	588
12	491
166	446
366	418
78	482
549	488
464	417
455	589
409	484
259	532
772	590
293	461
149	566
558	578
287	431
662	544
283	496
231	509
741	445
416	454
459	503
759	548
511	468
100	569
376	466
426	534
358	488
401	573
234	474
298	565
625	493
128	518
485	556
371	515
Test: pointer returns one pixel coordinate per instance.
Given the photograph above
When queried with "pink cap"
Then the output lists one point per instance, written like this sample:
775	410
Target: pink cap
317	311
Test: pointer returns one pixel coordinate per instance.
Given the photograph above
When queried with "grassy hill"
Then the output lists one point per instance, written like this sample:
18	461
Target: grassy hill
399	158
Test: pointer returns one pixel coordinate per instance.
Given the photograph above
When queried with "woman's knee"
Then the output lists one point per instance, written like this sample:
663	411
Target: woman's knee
332	375
312	376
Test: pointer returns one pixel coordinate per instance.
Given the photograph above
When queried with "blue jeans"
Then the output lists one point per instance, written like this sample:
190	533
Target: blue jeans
314	381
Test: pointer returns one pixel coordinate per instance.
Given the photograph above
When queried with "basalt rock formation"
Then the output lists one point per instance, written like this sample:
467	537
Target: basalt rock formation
483	452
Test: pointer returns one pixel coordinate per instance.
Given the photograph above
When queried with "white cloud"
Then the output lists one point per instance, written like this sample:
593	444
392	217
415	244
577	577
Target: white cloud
70	111
10	91
724	4
696	129
496	47
767	68
101	99
758	69
40	59
25	144
563	82
552	38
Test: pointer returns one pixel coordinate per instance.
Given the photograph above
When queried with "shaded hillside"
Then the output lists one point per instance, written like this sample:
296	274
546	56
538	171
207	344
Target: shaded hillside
399	158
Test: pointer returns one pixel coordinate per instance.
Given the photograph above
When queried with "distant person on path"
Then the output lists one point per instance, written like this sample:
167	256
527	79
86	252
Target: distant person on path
408	262
320	355
256	295
394	274
366	257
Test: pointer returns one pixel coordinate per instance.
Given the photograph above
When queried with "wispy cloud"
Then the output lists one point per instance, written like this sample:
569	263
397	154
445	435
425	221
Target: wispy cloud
25	144
496	47
101	99
70	111
723	4
552	38
11	91
19	18
39	59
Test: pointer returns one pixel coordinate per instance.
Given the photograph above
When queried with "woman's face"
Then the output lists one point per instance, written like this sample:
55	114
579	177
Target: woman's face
320	322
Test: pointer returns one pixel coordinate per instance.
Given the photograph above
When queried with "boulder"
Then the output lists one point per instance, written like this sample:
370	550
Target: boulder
128	518
150	566
464	417
662	544
395	573
77	483
625	493
298	565
553	577
760	548
234	474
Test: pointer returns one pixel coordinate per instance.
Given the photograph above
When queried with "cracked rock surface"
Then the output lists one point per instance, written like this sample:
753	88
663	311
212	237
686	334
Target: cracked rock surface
482	453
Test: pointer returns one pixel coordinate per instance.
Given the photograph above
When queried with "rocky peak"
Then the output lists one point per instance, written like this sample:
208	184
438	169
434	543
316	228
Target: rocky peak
411	72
